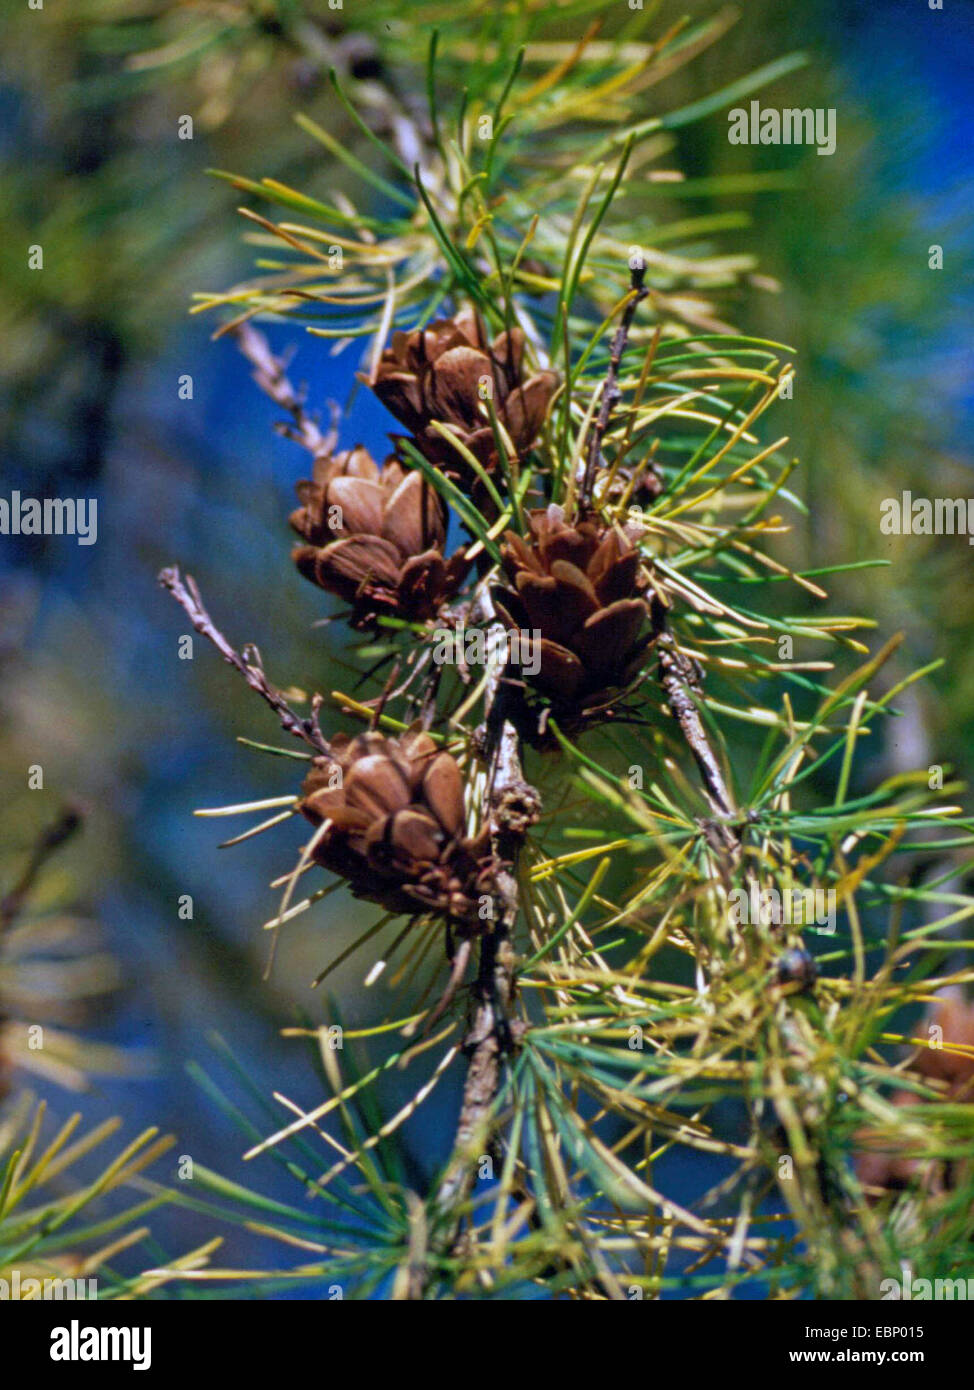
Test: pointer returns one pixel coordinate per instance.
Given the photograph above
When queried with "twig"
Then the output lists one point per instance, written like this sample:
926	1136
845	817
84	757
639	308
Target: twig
270	374
611	391
676	680
51	839
13	902
679	679
512	805
188	597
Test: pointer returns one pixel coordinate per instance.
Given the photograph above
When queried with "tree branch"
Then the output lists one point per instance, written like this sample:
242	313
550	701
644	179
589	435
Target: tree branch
611	392
270	374
49	840
12	903
512	806
679	678
189	599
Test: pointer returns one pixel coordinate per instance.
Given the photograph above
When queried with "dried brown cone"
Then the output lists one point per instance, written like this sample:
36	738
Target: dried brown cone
895	1169
375	537
580	587
395	826
442	373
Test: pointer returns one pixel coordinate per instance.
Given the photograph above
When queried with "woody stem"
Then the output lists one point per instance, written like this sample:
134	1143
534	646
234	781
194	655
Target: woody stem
47	842
12	903
270	374
511	805
677	679
188	596
610	391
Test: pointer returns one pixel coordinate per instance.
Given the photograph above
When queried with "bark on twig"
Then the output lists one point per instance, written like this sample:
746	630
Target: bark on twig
12	903
610	391
512	806
677	679
50	839
187	595
680	679
270	374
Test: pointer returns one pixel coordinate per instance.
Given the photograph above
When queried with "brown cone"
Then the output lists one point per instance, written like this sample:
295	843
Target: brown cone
375	538
895	1169
395	814
441	373
579	586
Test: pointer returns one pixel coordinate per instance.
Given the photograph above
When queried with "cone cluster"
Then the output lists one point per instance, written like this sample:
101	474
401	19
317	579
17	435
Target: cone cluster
389	811
579	585
391	821
375	537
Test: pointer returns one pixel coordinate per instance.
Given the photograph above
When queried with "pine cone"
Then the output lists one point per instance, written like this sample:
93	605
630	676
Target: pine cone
375	538
396	826
896	1169
441	372
579	586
